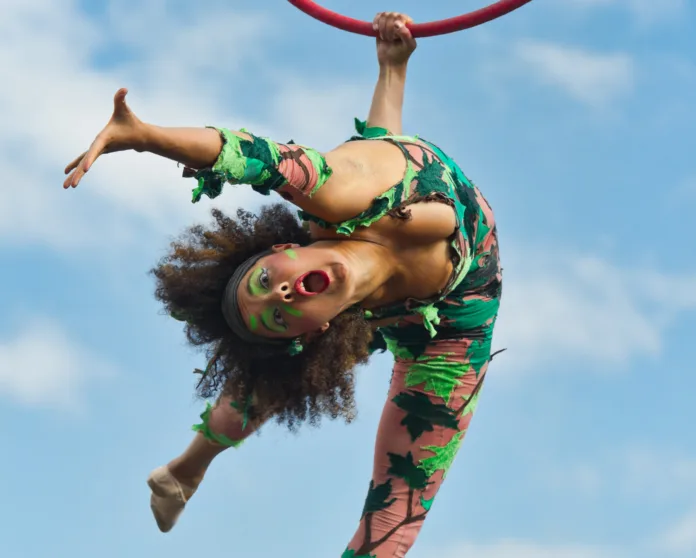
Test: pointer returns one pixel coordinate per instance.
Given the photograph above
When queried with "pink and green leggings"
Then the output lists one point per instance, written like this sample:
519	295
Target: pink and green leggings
428	410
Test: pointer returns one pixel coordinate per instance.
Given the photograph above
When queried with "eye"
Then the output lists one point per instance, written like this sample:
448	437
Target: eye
263	279
278	318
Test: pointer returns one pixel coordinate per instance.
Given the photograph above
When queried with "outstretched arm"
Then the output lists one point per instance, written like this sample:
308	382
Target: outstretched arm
196	148
395	44
220	156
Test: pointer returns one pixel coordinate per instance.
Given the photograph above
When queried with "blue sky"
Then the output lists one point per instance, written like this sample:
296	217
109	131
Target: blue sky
576	119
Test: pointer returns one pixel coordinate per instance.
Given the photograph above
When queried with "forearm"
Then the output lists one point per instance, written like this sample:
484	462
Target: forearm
224	156
388	100
196	148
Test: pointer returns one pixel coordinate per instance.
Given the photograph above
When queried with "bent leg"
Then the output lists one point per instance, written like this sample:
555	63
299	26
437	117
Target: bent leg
430	405
224	425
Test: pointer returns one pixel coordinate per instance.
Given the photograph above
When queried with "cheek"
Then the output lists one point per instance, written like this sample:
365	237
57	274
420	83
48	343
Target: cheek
313	315
323	311
309	320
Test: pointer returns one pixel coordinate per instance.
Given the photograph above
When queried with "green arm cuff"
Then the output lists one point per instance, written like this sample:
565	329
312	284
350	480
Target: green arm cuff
369	132
241	161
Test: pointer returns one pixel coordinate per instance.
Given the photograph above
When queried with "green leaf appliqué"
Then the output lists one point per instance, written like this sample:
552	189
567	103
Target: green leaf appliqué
444	456
427	504
440	376
349	553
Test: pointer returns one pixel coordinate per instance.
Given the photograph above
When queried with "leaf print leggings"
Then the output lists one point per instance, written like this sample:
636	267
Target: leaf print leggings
421	429
428	410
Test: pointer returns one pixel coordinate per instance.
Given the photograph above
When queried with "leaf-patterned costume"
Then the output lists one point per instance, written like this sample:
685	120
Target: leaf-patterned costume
442	346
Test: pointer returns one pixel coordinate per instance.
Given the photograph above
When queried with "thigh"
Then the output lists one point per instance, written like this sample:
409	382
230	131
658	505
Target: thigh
430	405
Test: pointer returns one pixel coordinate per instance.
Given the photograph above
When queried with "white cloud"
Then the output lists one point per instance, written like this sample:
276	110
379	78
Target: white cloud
637	475
589	77
663	475
42	366
58	101
522	549
645	12
679	539
558	306
580	478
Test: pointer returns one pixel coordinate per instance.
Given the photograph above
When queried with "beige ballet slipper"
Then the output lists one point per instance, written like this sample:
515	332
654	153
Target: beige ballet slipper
168	498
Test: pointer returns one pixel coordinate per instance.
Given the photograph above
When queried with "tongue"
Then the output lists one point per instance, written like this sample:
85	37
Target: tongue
314	282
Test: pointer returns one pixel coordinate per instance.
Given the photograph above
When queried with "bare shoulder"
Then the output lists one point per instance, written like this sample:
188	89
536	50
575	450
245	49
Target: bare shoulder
361	171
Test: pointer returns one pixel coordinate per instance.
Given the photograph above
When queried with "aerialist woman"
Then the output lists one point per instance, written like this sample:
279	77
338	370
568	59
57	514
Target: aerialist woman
398	252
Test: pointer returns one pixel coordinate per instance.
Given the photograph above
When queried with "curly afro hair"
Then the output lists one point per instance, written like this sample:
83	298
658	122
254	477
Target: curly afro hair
190	282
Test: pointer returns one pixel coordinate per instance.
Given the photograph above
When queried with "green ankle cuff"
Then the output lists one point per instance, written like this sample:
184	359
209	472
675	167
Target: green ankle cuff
204	428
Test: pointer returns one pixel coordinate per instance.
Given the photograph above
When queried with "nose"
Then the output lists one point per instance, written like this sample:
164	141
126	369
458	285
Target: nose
283	292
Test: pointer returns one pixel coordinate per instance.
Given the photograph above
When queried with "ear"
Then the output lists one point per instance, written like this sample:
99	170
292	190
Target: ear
282	247
311	335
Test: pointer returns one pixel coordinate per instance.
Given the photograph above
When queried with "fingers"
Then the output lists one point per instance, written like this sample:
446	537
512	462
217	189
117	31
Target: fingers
392	26
70	181
96	149
82	164
386	27
404	33
74	163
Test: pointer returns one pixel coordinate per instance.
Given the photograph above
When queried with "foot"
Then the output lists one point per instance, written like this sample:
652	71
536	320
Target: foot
169	497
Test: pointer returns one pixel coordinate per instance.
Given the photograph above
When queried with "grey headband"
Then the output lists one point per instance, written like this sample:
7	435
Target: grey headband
232	313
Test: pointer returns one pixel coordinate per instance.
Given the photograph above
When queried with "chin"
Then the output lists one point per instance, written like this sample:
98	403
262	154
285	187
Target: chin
340	273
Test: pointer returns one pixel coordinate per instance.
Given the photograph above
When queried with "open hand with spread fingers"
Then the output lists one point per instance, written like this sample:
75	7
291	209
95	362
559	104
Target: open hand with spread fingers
124	132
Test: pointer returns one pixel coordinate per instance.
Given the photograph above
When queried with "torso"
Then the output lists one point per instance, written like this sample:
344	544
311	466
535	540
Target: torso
420	246
447	275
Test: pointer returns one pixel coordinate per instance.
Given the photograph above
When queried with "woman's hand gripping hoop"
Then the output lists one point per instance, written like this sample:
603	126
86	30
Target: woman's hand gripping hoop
431	29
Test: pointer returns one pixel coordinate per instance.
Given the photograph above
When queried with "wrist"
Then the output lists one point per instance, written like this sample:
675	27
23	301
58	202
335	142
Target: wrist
145	137
393	70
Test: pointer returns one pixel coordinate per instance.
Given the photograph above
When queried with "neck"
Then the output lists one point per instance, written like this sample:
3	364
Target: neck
371	266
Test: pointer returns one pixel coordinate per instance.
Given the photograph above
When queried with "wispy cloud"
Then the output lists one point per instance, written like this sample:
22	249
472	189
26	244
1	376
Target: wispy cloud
525	549
663	475
560	306
648	474
593	78
60	99
43	366
679	539
645	12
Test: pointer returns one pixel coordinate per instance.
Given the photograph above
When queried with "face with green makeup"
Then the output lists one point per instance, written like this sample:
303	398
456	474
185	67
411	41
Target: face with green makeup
293	291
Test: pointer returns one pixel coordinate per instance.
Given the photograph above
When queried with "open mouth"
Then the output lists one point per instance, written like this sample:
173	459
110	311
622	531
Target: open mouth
312	283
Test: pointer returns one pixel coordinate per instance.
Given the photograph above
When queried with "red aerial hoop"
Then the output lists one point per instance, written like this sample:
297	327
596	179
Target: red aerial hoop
466	21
